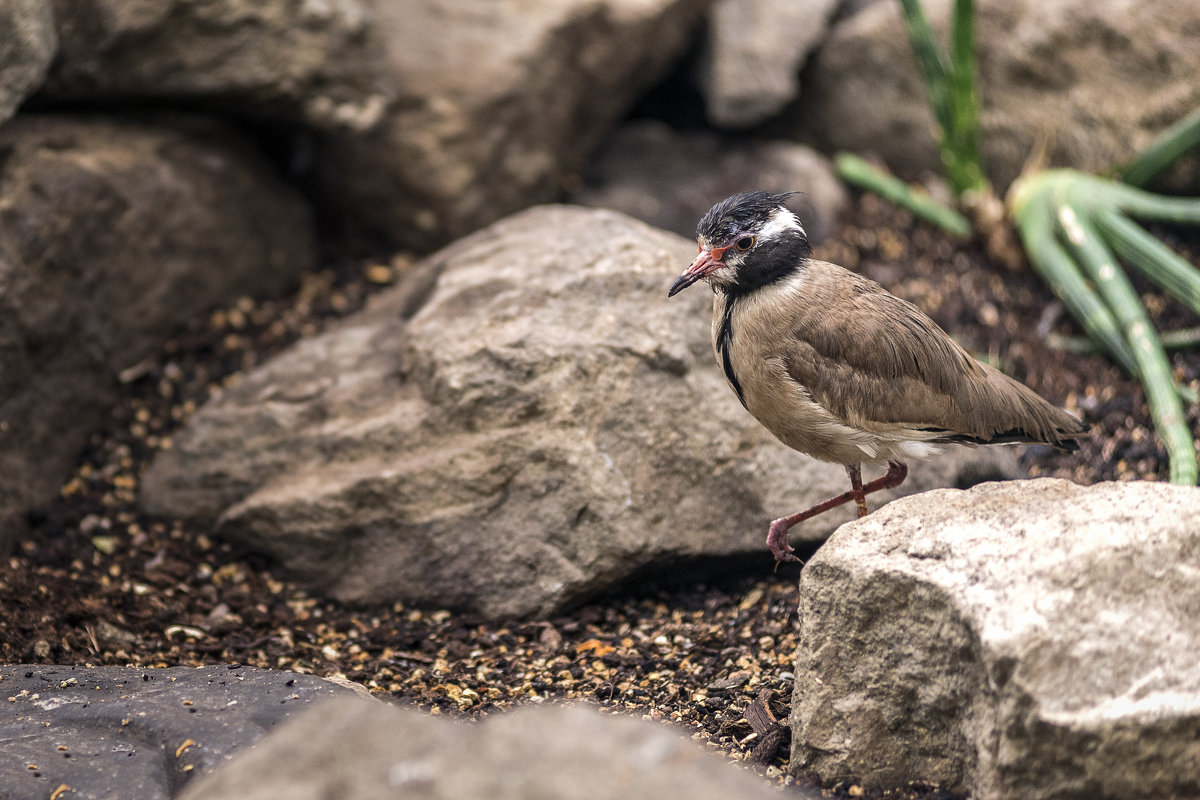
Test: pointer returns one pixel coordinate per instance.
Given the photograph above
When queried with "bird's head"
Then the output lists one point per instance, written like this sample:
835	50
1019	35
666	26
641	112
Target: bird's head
746	241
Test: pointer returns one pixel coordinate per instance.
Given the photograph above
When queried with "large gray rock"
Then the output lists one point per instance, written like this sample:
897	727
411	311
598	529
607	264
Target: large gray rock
348	748
111	236
424	119
1098	79
544	426
670	178
499	104
753	54
1034	639
111	733
27	44
320	63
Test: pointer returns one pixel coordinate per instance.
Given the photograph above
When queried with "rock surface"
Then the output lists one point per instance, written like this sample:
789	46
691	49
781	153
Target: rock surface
418	121
669	178
1095	78
108	733
753	55
498	110
543	427
363	749
320	63
27	45
1032	639
111	235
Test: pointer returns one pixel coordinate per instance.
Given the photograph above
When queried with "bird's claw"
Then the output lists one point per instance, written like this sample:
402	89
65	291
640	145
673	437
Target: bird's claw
777	543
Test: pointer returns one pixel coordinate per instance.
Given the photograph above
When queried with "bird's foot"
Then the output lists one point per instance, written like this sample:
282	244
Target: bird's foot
777	542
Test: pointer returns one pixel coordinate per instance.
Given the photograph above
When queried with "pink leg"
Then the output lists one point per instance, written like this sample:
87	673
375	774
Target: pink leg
856	488
777	537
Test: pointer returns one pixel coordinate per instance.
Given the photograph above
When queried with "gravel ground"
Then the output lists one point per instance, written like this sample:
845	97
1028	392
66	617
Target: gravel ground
99	583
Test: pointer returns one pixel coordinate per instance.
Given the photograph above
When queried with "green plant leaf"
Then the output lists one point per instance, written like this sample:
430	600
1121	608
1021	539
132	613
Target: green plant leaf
1153	367
861	173
1162	152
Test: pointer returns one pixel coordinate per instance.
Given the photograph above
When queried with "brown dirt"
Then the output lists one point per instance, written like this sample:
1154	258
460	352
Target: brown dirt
99	583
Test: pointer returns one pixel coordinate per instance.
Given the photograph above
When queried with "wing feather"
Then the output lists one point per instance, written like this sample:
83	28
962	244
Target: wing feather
878	362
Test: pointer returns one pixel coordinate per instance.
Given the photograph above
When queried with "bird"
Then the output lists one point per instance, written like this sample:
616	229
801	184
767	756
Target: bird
837	367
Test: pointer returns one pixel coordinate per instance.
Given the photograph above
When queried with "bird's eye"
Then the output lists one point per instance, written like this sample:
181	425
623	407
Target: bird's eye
745	243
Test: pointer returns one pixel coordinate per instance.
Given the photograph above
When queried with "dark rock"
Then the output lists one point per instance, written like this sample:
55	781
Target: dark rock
753	55
418	121
497	108
110	733
111	236
670	178
318	63
27	44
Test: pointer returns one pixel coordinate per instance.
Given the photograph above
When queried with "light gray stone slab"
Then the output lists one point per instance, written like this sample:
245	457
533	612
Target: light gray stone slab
1021	640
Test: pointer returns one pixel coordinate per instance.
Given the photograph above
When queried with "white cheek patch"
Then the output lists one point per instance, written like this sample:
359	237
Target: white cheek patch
781	221
722	276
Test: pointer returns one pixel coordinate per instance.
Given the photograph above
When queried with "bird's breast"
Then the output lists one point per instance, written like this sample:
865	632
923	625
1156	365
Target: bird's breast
751	335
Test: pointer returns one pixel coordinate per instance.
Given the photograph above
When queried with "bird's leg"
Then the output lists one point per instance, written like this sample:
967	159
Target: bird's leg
777	536
894	476
856	488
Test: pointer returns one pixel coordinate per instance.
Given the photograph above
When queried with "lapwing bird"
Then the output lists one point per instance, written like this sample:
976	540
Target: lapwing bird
836	367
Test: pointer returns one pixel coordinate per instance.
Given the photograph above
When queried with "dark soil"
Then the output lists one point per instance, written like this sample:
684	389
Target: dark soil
99	583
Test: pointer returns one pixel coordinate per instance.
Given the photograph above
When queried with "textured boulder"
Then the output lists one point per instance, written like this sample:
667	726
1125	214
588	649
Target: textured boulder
544	426
356	748
419	121
1033	639
27	45
319	63
498	110
753	54
670	178
1097	79
111	236
107	733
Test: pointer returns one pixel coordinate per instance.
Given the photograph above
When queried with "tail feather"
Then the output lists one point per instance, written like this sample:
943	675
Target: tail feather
1003	410
1026	417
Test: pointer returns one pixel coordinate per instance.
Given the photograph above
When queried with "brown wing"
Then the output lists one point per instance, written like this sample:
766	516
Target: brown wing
874	361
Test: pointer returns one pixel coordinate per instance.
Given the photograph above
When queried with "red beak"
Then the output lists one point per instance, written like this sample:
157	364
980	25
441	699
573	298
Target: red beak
707	261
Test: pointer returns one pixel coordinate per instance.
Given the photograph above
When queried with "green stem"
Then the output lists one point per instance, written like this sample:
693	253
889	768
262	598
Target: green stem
1178	339
1145	205
855	170
929	60
962	140
1034	216
1153	366
1158	262
1168	146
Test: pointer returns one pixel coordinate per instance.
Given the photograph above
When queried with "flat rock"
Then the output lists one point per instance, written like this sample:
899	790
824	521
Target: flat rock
1031	639
321	64
525	423
356	748
670	178
26	48
110	733
753	55
113	234
1093	79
